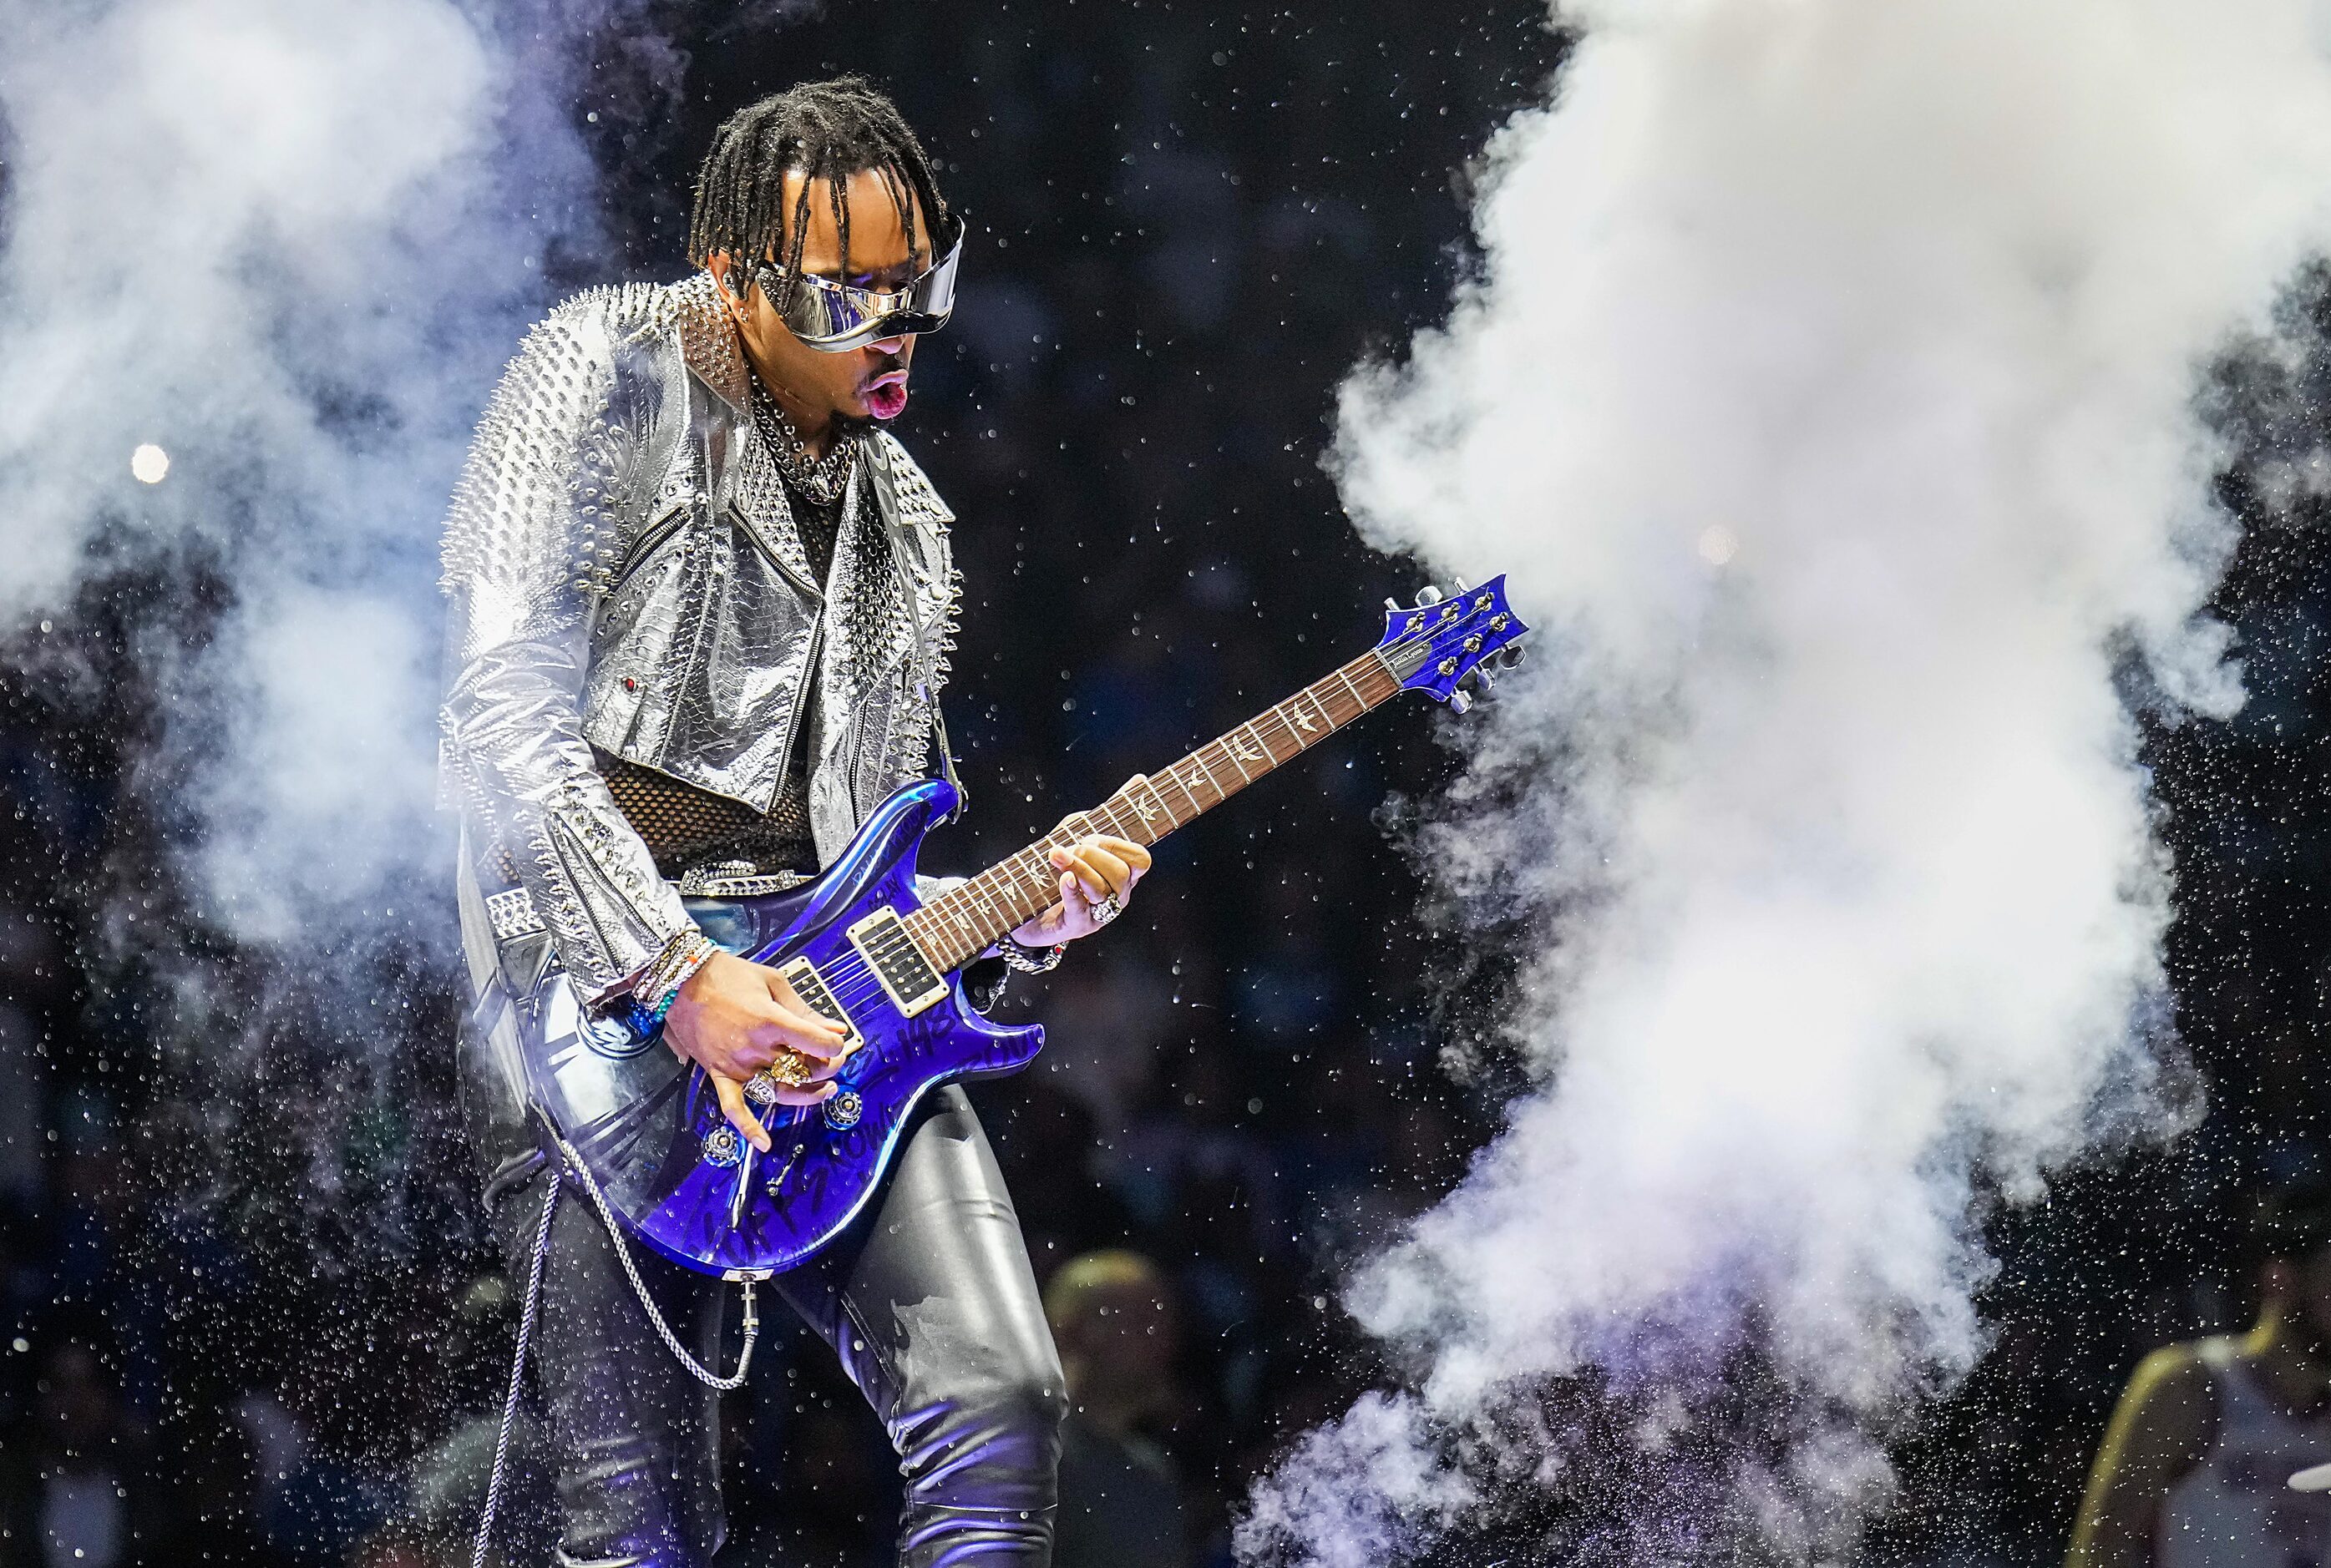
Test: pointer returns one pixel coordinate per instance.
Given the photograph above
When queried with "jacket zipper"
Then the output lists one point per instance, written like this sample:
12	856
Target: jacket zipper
769	554
800	709
791	733
666	523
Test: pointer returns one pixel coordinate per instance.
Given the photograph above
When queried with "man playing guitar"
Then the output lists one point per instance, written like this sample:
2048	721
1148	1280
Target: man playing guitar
700	599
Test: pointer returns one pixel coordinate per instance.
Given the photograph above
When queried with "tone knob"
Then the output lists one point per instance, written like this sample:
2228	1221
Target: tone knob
842	1111
723	1148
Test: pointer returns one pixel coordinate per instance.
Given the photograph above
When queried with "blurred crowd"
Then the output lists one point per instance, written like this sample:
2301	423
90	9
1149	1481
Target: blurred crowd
246	1311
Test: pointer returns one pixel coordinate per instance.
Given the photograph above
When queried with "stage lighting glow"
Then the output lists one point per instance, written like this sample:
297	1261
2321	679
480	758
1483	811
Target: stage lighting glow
149	463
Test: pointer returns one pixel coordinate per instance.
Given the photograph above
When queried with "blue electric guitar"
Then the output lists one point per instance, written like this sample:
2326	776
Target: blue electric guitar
859	944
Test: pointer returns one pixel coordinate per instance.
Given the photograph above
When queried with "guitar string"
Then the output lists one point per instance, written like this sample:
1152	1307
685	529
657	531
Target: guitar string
857	982
950	902
849	984
1014	867
854	990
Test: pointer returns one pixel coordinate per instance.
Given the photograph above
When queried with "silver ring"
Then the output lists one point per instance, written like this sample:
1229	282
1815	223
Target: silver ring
1106	908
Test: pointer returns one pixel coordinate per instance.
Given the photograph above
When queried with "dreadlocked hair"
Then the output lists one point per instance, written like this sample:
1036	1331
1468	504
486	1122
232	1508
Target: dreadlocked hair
826	130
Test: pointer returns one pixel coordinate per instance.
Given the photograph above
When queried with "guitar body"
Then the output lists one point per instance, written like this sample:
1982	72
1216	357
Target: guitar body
650	1130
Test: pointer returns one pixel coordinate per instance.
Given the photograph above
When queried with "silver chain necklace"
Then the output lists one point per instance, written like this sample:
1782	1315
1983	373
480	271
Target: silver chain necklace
821	479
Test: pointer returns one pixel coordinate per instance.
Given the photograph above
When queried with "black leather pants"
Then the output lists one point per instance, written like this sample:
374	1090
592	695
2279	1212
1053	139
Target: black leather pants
928	1299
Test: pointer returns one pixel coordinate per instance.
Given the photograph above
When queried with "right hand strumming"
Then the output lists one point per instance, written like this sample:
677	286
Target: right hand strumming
733	1018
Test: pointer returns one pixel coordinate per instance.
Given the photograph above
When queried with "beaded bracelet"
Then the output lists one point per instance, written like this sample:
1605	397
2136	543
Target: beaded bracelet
672	967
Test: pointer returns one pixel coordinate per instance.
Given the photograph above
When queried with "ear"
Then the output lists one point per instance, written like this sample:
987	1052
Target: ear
718	264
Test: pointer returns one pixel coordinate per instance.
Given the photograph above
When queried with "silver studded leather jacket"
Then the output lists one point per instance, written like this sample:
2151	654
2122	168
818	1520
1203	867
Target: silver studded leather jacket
624	572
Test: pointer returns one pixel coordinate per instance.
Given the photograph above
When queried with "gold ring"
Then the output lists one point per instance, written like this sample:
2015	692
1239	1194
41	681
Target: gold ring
791	1068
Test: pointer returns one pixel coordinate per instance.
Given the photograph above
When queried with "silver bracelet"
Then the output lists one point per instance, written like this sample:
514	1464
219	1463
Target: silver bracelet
1016	957
672	967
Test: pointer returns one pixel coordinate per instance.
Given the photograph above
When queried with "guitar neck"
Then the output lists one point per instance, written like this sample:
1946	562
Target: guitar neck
964	922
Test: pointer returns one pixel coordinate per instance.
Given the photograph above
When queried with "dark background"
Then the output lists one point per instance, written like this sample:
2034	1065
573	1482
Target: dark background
257	1264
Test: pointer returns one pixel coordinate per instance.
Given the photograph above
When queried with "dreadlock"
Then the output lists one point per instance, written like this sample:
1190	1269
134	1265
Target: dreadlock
827	130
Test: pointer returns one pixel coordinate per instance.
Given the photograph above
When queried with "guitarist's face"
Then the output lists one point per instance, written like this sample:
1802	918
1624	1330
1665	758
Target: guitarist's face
815	387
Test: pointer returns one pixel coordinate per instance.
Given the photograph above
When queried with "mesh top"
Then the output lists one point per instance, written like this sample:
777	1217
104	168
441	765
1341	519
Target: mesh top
686	827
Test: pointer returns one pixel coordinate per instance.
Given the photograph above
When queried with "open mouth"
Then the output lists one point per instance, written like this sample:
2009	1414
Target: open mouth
886	394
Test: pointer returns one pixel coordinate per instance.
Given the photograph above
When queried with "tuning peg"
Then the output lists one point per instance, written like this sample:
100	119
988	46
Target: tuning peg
1460	584
1392	605
1470	688
1510	655
1428	594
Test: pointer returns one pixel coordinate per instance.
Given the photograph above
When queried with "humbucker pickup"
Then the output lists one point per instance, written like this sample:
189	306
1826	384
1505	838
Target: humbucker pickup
811	987
882	941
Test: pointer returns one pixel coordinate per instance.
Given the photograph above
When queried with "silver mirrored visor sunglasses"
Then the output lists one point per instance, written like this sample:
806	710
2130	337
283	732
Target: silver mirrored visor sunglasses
834	318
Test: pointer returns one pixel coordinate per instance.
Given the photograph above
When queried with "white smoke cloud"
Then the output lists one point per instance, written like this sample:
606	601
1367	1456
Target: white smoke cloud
286	243
1828	391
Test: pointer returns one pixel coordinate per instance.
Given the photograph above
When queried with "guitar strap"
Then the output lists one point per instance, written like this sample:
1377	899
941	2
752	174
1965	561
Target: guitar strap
903	556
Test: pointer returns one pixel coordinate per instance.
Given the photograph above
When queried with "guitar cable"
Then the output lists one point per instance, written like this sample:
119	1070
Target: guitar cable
530	1312
518	1374
695	1368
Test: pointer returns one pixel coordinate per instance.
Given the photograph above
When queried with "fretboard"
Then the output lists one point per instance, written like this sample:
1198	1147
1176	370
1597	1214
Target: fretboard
965	920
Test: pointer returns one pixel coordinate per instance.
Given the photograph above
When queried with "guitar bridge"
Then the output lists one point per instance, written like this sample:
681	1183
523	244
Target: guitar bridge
904	973
811	987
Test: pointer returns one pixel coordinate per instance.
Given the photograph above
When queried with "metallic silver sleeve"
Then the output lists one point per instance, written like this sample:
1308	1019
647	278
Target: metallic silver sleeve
541	505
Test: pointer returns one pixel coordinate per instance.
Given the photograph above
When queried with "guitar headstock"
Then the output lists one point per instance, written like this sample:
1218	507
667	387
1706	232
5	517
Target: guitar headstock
1452	647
